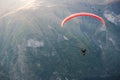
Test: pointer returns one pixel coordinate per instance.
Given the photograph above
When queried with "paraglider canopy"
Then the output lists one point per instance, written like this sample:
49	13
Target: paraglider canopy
83	14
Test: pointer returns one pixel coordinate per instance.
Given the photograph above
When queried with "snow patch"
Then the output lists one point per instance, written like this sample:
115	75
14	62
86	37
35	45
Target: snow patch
113	42
103	28
65	38
112	17
34	43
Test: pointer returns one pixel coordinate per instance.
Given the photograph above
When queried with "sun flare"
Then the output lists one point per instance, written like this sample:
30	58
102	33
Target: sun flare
11	6
28	4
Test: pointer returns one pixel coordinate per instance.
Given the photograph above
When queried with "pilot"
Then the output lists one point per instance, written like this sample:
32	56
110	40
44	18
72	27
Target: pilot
83	51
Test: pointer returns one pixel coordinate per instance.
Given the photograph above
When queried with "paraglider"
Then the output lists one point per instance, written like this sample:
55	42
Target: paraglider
83	50
83	14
